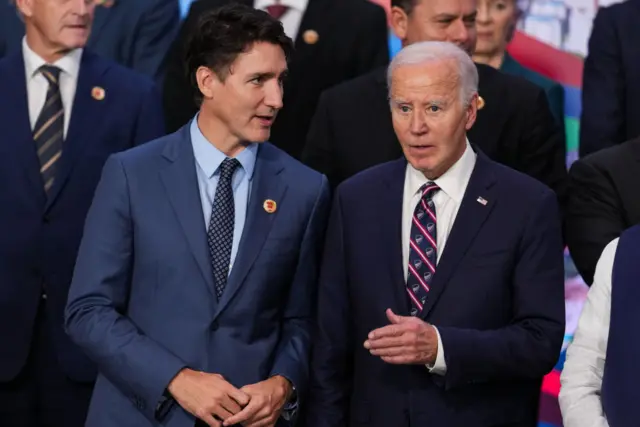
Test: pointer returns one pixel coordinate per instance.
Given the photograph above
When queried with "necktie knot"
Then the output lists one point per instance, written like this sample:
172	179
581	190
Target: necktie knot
277	10
51	73
227	168
429	189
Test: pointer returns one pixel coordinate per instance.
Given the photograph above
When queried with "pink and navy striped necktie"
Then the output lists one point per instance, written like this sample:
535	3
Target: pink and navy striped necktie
423	249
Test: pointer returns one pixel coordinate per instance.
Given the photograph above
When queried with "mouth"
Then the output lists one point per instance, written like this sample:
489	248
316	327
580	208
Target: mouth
485	35
265	120
421	148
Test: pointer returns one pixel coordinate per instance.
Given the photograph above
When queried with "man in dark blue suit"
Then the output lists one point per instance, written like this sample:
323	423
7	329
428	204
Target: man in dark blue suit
610	84
441	297
134	33
196	276
63	111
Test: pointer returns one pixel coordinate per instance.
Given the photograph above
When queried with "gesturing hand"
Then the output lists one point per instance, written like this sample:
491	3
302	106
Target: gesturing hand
406	341
267	398
207	396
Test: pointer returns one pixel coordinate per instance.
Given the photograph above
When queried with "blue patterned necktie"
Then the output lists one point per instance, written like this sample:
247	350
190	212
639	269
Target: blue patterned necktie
220	232
48	133
423	249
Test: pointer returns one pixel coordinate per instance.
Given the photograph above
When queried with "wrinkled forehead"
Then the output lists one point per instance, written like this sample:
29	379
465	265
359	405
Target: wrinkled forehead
417	81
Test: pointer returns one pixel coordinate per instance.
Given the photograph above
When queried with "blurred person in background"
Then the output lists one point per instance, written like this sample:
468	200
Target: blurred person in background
63	111
610	84
352	128
496	24
335	40
133	33
603	202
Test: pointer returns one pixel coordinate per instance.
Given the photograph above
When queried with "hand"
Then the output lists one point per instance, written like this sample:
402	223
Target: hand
267	400
207	396
407	341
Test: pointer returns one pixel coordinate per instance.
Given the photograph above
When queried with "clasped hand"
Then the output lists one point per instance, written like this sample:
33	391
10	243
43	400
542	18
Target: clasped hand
218	403
406	341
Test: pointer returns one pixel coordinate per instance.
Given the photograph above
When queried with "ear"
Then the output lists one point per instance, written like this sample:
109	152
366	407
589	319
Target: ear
472	112
399	22
25	7
208	82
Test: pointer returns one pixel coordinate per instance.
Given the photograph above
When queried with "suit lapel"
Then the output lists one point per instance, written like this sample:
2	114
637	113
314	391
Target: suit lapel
315	18
181	183
266	184
86	111
390	208
471	216
17	132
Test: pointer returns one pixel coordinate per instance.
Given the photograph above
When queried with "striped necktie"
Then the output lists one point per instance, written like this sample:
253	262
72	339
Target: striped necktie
49	129
423	249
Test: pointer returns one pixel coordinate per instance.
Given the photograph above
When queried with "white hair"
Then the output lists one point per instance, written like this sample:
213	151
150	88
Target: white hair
426	52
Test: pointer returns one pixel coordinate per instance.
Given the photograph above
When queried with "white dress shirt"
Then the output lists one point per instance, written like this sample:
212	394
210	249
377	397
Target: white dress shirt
292	18
581	377
37	84
447	200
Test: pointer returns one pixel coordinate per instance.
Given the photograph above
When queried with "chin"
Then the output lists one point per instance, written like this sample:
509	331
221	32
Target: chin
258	136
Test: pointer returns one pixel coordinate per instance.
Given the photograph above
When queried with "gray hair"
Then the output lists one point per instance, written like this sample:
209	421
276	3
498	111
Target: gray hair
426	52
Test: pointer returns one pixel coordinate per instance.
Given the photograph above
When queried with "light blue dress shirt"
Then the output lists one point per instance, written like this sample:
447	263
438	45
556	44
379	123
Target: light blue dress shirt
208	161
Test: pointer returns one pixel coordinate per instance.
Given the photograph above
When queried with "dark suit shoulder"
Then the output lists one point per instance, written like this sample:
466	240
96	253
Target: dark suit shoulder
117	75
519	186
359	13
372	178
612	157
354	90
300	173
514	86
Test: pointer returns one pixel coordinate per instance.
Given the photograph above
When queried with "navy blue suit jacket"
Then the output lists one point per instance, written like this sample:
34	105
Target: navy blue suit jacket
143	305
134	33
610	84
497	299
40	236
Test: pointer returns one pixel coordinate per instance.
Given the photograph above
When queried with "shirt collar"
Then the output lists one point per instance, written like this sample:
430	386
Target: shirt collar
209	158
69	64
453	182
300	5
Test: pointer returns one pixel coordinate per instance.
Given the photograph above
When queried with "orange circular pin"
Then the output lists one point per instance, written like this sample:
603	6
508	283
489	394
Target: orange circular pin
270	206
310	37
98	93
480	103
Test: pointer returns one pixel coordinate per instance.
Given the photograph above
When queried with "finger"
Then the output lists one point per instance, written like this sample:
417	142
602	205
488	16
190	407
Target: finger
386	342
247	413
238	395
210	420
264	422
221	412
398	360
390	352
230	405
393	318
386	331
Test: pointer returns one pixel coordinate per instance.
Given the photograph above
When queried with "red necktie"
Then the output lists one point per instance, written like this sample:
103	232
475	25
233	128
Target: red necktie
277	10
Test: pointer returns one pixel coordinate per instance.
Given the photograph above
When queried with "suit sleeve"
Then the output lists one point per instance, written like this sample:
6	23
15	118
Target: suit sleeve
373	41
543	153
603	88
318	152
178	95
528	347
292	355
150	124
157	29
331	382
138	366
594	216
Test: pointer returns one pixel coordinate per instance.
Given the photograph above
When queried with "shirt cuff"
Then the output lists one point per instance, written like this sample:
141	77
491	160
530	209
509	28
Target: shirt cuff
440	366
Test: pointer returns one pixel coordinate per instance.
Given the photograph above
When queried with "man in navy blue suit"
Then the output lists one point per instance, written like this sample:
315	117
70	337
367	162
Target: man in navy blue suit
133	33
196	277
63	111
610	84
441	297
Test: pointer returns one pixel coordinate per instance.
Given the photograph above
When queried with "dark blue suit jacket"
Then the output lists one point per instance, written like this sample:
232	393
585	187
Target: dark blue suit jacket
497	299
610	83
143	305
40	236
134	33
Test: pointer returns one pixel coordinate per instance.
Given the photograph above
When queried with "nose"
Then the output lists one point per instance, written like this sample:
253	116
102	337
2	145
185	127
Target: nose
82	7
483	16
418	123
459	33
273	95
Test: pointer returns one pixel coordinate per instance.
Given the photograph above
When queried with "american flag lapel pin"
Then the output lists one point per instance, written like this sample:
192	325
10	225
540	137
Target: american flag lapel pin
482	201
